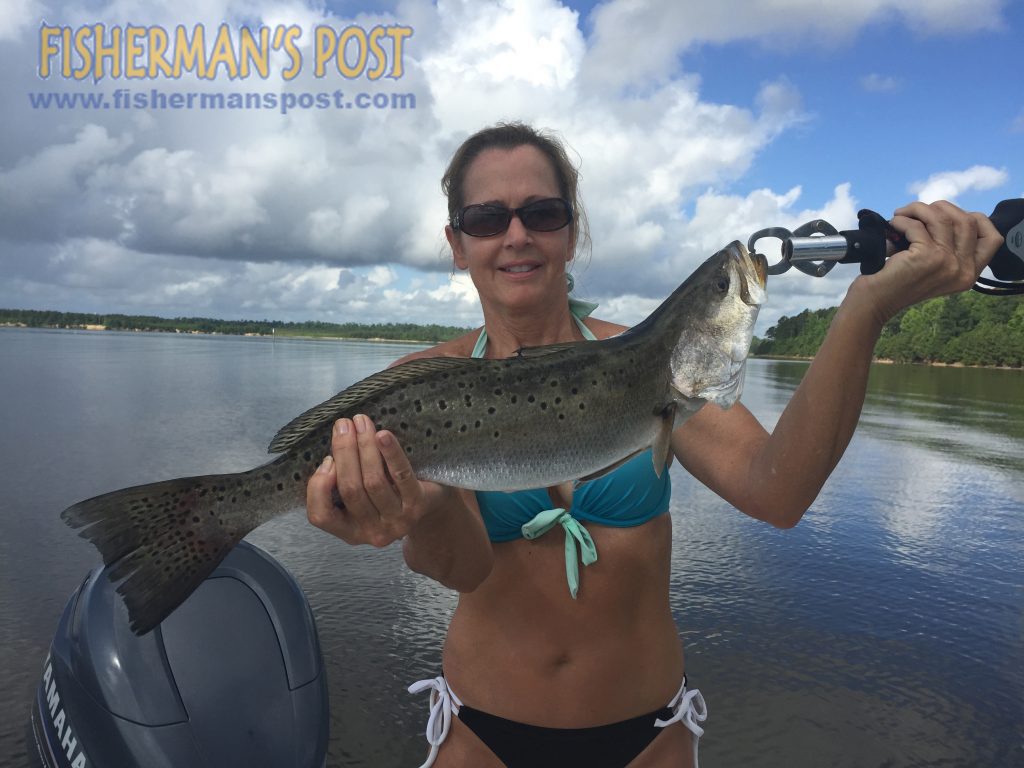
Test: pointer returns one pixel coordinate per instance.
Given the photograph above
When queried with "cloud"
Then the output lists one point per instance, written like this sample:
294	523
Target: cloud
337	214
17	15
667	29
948	185
875	83
1018	123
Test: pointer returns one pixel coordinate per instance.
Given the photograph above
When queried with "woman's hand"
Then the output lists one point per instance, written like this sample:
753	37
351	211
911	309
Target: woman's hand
948	250
365	492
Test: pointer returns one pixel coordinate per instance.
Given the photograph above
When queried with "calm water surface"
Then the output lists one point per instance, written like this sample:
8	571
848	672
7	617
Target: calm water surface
885	630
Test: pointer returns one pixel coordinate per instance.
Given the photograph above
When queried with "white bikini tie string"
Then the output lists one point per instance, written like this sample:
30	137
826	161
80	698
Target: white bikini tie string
443	704
690	709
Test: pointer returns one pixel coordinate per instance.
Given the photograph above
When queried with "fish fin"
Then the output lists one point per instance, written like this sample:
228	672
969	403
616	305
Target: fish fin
605	470
160	541
561	494
686	405
549	349
663	442
348	400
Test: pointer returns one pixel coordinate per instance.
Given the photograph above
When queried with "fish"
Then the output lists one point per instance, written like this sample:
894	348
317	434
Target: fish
548	416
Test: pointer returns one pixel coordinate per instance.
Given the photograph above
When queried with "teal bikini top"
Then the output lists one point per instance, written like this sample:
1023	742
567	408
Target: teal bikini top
629	495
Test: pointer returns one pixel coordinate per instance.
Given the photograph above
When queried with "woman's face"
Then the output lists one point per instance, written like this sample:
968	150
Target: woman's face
518	268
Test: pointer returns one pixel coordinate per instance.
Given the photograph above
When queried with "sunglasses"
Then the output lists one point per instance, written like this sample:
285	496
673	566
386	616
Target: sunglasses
484	220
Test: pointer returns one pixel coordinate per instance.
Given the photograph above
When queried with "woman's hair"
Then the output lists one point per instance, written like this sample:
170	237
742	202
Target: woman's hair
510	136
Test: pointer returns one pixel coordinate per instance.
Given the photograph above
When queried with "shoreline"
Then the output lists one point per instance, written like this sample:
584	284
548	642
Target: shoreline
182	332
887	361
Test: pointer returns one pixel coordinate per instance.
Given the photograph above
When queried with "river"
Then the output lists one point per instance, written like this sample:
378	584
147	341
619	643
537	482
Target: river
884	630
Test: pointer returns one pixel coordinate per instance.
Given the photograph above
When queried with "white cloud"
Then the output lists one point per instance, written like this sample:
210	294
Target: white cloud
948	185
876	83
1018	123
16	15
667	28
326	213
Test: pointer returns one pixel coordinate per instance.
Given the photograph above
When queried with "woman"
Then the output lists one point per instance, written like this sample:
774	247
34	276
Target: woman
536	673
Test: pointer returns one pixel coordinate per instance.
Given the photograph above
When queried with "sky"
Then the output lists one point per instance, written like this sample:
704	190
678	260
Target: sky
693	124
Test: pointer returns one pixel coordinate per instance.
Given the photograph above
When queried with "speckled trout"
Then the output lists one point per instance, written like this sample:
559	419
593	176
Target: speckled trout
544	417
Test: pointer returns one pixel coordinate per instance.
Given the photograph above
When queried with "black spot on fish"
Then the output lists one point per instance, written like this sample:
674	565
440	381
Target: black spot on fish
195	519
583	406
492	410
408	449
496	433
468	400
575	391
530	398
435	446
296	476
463	428
514	399
558	400
477	424
280	487
543	406
447	425
392	411
561	416
498	391
266	476
429	432
442	404
554	383
307	456
403	426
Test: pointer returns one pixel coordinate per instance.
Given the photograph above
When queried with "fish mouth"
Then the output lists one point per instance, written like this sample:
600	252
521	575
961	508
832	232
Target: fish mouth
753	273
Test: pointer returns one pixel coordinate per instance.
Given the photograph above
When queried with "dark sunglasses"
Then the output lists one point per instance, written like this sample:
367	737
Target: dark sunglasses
484	220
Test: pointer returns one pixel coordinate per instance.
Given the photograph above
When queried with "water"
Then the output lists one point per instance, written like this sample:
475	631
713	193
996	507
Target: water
885	630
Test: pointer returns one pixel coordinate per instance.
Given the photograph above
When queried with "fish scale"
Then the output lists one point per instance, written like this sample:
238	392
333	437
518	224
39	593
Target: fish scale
543	417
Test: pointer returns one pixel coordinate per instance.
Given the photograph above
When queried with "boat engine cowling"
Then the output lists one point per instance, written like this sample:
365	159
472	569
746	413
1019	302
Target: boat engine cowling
234	677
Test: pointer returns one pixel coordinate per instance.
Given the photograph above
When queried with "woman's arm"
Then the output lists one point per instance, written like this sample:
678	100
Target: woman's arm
775	477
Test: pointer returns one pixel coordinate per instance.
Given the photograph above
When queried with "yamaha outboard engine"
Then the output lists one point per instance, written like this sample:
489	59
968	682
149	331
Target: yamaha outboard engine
234	677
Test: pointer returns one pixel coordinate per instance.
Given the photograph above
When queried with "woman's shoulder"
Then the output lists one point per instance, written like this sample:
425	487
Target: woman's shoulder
461	346
603	329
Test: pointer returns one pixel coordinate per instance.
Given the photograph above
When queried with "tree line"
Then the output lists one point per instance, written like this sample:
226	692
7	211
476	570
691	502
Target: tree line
34	318
968	328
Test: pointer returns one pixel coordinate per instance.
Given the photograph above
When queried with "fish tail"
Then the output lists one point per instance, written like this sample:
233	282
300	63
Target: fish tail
161	540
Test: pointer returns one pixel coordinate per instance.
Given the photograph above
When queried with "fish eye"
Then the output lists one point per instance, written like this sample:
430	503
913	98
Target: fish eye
722	283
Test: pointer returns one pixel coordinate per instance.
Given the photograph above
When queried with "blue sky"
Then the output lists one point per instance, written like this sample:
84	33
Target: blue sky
695	124
942	100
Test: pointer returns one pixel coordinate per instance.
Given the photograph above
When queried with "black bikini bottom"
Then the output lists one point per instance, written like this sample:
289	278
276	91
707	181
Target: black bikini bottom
532	746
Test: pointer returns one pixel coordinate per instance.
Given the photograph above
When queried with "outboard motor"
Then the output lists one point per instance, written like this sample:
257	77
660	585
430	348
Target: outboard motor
234	677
